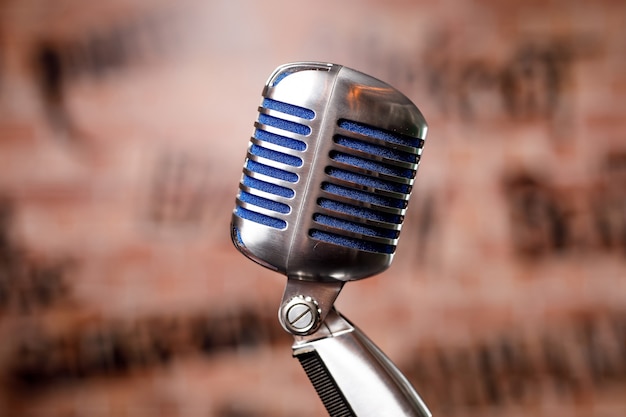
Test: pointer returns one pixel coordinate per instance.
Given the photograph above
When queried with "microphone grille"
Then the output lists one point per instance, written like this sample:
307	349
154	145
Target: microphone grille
367	186
328	173
273	158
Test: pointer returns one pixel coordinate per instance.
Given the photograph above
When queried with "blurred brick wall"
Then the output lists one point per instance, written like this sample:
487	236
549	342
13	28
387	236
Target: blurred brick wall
123	128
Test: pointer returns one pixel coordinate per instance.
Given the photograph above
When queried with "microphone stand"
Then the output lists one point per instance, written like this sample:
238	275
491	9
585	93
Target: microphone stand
351	375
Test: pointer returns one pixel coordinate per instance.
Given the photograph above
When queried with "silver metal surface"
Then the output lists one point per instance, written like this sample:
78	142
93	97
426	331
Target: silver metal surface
333	93
322	295
369	383
301	314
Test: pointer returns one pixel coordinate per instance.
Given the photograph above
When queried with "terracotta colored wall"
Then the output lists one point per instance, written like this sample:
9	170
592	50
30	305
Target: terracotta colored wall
123	129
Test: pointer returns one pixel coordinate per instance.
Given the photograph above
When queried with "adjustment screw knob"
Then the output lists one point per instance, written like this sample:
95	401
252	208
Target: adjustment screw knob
300	315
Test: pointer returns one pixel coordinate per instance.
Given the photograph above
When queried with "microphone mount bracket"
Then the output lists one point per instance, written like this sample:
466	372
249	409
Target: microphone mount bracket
306	304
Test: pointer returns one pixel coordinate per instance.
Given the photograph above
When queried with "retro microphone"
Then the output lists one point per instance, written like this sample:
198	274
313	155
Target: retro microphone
322	198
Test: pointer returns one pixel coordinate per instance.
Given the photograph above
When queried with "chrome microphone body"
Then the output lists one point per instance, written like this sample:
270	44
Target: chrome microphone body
333	157
325	186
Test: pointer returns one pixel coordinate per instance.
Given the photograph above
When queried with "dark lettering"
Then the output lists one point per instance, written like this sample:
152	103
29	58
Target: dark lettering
537	218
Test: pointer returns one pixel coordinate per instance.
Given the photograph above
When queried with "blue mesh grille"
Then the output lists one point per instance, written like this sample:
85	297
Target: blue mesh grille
362	146
376	133
366	197
371	165
353	243
260	218
260	148
271	171
264	202
361	212
367	181
355	227
279	140
288	108
267	187
376	162
275	156
282	124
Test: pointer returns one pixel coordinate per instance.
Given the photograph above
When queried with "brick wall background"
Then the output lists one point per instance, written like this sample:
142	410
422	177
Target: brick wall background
123	128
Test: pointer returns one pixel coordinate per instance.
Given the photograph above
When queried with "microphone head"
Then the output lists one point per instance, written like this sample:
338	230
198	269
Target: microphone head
328	173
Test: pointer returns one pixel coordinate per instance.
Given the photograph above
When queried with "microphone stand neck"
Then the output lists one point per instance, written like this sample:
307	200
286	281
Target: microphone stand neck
351	375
